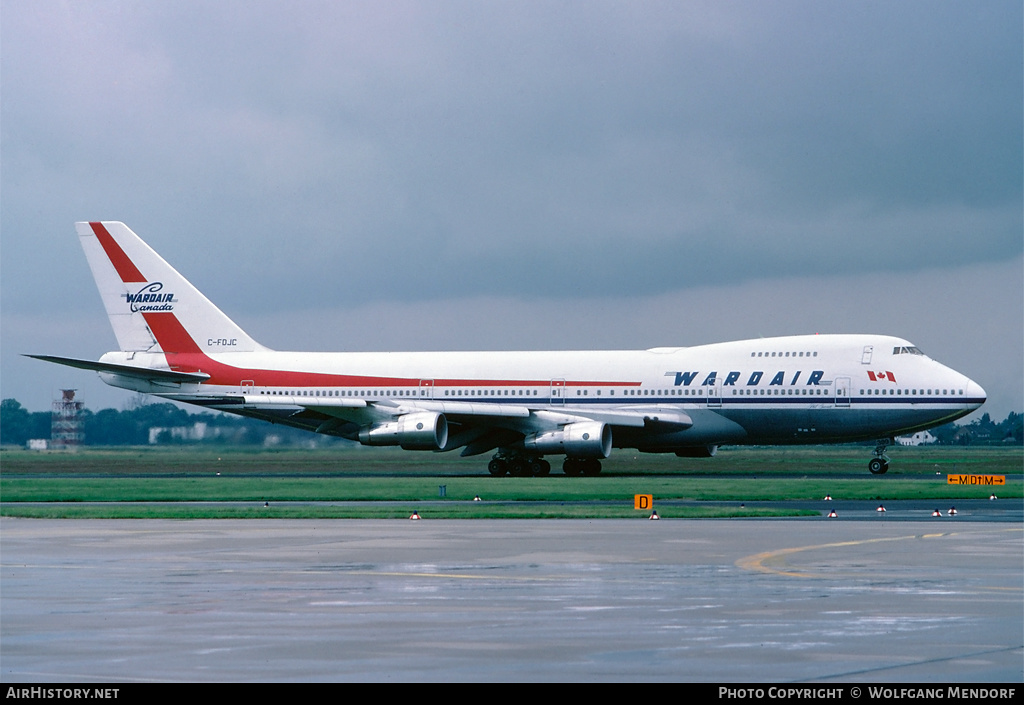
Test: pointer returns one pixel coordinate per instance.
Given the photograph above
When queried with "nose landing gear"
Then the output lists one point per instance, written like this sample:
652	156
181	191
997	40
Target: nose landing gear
879	464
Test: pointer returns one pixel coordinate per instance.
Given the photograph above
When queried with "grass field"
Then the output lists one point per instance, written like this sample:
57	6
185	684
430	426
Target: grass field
383	483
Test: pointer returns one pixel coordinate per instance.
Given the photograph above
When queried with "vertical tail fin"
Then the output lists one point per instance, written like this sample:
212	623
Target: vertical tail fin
151	307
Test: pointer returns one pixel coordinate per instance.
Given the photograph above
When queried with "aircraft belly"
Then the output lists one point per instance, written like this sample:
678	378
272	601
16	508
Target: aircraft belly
832	424
709	427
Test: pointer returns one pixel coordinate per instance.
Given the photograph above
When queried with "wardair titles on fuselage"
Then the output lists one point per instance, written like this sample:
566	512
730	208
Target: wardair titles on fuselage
685	379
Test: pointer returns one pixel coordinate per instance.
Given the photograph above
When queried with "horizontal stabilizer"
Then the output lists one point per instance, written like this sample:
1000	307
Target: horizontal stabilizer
143	373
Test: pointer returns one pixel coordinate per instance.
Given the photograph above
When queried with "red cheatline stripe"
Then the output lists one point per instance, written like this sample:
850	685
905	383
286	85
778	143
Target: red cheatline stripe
126	269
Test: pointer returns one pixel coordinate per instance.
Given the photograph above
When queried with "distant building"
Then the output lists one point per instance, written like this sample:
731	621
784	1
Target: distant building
37	444
918	439
199	431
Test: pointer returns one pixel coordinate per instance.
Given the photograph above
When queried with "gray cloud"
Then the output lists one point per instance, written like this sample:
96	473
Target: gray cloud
338	157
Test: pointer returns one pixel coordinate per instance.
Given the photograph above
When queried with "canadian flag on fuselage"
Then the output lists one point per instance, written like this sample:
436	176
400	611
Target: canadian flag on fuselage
152	307
881	376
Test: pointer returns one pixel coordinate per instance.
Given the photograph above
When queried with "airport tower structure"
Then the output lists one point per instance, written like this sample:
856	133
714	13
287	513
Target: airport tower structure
66	422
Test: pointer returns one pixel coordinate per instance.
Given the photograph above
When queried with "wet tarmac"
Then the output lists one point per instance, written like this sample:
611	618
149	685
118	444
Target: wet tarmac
819	600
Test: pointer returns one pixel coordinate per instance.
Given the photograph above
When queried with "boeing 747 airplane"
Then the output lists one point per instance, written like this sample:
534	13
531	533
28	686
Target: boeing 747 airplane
175	344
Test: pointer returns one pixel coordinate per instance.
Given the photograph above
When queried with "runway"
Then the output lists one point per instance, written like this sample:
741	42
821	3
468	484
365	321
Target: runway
491	600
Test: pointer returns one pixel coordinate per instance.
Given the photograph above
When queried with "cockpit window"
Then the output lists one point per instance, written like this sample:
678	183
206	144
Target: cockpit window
905	350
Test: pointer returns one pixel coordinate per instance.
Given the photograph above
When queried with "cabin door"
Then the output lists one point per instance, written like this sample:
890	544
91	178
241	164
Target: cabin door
715	395
426	390
842	387
557	392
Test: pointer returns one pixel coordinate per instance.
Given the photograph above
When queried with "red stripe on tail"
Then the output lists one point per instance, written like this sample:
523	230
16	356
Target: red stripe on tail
170	334
126	269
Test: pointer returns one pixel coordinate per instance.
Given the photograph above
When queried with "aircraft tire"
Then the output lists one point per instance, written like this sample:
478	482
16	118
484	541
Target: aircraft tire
519	467
572	467
498	468
591	467
877	466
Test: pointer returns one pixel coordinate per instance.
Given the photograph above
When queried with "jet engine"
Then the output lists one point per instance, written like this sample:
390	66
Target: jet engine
423	430
585	439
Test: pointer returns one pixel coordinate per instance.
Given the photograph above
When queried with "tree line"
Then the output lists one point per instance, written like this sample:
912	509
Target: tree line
131	426
983	431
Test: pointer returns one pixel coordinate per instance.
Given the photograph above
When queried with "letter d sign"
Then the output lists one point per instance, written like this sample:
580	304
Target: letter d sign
643	501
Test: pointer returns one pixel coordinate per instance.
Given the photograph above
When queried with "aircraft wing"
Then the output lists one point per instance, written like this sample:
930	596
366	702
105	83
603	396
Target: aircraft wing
516	416
445	425
478	427
552	417
364	411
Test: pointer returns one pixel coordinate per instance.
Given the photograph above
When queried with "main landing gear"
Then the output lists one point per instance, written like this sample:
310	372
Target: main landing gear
879	464
519	466
531	466
581	466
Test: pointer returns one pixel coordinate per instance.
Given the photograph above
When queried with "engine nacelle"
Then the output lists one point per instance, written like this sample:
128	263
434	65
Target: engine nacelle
585	439
423	430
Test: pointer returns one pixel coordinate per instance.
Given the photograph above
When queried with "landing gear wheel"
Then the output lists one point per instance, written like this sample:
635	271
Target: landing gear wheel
572	467
540	467
497	467
877	466
519	467
591	467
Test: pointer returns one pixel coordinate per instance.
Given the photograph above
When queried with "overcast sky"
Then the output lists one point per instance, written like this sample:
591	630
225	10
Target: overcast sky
490	175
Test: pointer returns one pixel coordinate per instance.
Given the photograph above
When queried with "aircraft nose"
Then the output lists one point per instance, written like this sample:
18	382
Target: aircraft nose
975	394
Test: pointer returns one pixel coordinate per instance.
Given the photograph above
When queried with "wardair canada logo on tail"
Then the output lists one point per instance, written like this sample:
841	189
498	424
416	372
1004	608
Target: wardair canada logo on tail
151	298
